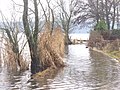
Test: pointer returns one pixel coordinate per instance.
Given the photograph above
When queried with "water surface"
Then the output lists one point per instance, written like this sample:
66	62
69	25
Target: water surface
85	70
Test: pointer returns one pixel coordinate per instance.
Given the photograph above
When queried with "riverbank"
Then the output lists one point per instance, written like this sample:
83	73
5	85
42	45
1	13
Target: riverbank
114	54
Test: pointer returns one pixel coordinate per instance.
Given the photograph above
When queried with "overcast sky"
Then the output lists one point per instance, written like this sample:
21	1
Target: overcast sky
6	7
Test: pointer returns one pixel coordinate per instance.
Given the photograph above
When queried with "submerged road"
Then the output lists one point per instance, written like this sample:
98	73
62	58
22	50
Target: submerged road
85	70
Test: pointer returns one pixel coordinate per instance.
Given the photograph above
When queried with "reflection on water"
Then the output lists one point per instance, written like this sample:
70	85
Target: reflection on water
85	70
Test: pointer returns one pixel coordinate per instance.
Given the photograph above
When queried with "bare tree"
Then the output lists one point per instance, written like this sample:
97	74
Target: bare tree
118	16
12	29
96	10
115	14
32	37
49	14
66	17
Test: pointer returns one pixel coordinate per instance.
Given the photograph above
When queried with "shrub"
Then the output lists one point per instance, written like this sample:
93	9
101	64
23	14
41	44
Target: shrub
95	39
11	58
115	34
101	26
113	45
51	48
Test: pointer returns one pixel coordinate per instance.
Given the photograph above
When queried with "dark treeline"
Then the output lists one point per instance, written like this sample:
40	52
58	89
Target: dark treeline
92	11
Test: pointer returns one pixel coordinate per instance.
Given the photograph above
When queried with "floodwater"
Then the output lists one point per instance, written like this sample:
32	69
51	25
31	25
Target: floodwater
85	70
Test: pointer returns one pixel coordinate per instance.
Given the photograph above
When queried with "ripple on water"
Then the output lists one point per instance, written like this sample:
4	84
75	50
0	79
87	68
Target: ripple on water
85	70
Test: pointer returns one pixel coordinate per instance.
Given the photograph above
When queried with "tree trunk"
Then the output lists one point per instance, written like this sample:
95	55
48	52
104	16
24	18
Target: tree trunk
118	18
32	39
114	10
35	62
97	15
107	14
67	39
102	11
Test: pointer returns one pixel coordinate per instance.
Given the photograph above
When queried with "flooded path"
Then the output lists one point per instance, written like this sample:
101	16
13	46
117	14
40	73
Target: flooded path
85	70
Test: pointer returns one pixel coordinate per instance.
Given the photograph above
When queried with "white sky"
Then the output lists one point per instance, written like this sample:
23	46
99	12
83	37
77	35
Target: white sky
6	6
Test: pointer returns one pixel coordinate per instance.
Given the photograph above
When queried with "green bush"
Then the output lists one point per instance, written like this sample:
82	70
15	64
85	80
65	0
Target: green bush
101	26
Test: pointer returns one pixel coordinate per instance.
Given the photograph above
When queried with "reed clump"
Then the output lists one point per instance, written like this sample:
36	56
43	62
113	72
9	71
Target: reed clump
11	59
51	48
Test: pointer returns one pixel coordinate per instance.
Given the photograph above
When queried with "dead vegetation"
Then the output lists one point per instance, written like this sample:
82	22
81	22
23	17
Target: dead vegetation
11	59
51	51
51	48
114	45
96	40
49	73
110	46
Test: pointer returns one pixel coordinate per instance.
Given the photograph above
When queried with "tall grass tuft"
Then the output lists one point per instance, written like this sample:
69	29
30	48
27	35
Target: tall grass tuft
11	59
51	48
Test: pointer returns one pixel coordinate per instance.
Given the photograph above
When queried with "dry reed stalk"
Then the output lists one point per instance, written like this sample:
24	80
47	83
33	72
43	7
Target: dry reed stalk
11	59
51	48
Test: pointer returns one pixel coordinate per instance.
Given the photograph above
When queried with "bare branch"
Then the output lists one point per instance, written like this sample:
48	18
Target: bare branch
22	6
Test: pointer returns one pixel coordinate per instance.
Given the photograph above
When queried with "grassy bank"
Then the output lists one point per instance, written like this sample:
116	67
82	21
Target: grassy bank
112	54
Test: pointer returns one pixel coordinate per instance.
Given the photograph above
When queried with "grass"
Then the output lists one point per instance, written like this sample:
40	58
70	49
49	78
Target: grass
114	54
